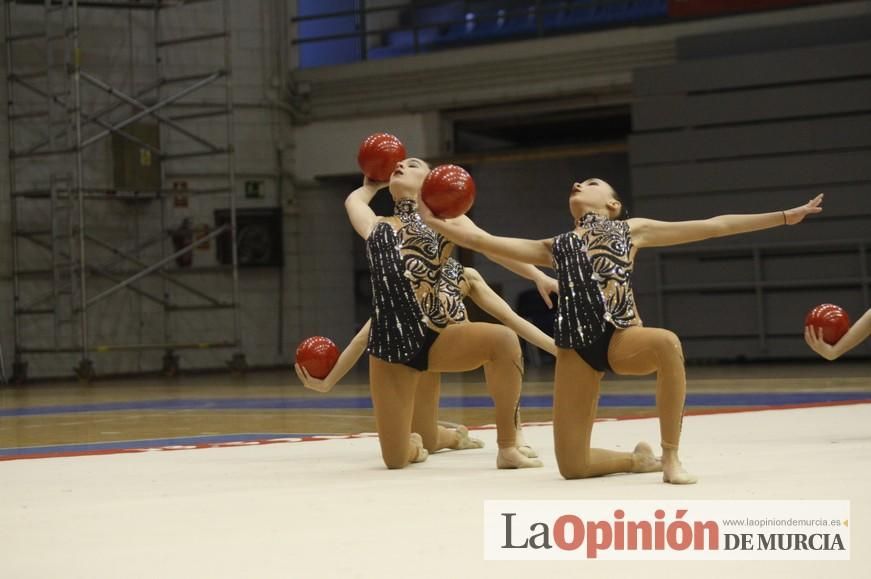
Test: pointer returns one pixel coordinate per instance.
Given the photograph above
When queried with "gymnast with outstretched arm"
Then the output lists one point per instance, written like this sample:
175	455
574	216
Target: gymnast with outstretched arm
598	327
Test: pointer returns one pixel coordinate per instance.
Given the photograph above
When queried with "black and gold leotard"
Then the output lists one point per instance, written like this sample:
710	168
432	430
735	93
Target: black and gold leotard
451	289
405	261
593	268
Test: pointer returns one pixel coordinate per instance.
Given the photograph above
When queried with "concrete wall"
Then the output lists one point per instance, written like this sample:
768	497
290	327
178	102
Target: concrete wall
329	148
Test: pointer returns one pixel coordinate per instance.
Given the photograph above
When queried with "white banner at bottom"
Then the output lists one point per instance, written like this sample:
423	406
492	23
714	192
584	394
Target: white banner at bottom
667	530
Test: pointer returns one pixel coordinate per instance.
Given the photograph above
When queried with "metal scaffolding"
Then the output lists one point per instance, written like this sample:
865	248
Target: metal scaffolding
48	125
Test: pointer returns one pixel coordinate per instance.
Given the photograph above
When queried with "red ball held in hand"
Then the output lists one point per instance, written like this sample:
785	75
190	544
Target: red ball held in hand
832	319
317	355
379	154
448	191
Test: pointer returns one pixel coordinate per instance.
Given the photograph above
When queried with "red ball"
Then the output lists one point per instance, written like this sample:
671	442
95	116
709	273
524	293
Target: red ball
379	154
448	191
317	355
832	319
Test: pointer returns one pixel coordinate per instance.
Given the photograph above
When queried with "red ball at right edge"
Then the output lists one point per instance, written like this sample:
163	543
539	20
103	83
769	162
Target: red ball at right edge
378	155
448	191
832	319
317	355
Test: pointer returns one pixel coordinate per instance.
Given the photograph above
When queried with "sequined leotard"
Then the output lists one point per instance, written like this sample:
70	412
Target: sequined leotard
593	269
452	287
405	265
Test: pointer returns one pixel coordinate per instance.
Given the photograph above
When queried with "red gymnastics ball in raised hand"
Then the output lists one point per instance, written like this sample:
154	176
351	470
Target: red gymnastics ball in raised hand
379	154
317	355
448	191
833	320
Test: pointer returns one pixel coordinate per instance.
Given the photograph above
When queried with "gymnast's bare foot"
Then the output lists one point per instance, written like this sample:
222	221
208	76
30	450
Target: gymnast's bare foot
511	457
643	459
464	441
673	471
417	442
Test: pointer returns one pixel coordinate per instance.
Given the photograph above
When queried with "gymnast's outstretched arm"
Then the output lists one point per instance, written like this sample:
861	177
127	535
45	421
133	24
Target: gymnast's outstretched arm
854	336
346	361
465	233
652	233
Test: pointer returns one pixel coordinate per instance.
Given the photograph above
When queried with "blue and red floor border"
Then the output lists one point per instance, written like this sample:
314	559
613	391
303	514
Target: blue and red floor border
697	404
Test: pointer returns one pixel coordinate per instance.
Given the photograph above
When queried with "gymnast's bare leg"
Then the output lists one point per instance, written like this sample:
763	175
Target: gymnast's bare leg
638	351
575	402
425	420
465	347
392	387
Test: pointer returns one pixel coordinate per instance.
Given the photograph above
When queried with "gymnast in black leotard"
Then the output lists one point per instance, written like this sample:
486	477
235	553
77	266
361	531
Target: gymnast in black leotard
597	326
405	269
410	333
455	284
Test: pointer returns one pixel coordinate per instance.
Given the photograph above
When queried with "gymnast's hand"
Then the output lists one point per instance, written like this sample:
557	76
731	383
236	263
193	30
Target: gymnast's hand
460	230
424	211
312	383
546	285
797	214
374	185
437	223
817	344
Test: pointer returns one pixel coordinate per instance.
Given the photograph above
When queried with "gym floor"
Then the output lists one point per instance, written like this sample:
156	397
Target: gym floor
255	476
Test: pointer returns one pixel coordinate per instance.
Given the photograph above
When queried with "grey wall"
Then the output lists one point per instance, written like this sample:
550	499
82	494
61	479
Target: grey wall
530	199
787	115
326	286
